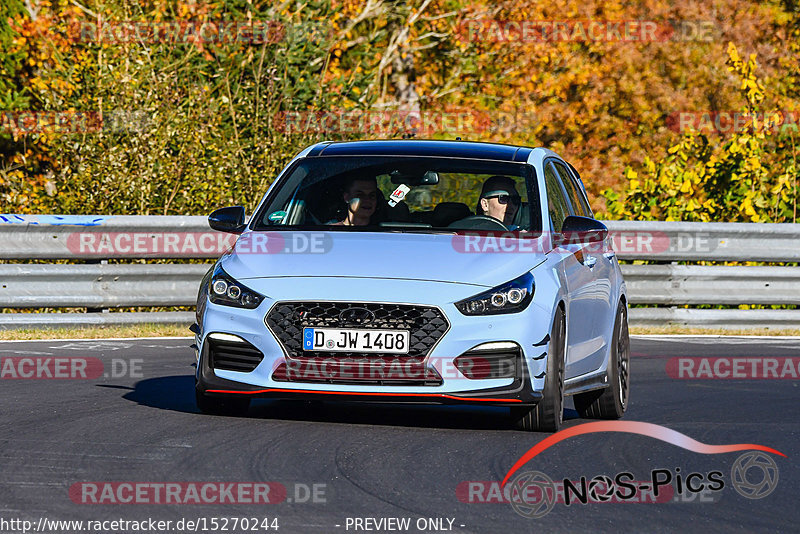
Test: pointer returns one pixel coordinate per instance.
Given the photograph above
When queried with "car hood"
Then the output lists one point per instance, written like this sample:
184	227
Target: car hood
483	261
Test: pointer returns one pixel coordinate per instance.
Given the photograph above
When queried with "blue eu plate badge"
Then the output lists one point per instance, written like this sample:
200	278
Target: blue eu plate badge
308	338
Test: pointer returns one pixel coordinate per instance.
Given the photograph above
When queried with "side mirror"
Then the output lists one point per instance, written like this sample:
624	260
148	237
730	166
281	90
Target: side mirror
230	220
582	230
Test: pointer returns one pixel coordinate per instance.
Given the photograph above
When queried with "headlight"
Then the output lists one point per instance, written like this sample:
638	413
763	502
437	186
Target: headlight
510	297
226	291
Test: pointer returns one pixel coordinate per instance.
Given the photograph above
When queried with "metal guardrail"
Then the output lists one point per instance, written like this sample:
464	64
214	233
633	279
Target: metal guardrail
696	241
9	321
102	285
706	284
125	285
101	237
717	319
99	285
28	237
693	318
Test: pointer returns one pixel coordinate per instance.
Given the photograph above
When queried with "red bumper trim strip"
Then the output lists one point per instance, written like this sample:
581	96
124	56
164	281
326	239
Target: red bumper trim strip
360	393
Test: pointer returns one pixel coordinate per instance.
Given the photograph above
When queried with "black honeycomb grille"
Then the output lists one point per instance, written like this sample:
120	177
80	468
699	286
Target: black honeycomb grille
426	325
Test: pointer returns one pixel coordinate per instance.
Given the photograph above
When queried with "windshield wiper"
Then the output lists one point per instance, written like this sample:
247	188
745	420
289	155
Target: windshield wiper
414	228
382	227
400	224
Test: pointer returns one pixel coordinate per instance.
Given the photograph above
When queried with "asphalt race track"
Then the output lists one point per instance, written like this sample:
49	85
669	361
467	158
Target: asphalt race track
136	421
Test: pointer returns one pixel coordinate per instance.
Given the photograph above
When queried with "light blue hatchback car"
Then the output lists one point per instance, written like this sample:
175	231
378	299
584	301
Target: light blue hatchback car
421	272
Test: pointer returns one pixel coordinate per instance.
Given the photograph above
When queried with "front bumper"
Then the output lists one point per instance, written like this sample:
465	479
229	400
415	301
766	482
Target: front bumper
518	393
526	329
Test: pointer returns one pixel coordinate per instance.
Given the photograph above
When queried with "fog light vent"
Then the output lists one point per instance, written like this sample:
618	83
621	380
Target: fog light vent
490	360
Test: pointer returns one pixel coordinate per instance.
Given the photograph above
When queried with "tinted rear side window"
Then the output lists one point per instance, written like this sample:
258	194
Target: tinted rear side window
575	195
557	205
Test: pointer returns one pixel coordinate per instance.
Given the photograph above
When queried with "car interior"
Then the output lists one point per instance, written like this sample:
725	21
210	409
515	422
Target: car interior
317	208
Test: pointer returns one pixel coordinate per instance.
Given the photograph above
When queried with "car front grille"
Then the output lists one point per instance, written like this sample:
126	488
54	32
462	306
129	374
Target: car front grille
426	325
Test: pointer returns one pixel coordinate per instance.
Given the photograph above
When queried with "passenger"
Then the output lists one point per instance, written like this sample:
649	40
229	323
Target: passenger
499	199
361	198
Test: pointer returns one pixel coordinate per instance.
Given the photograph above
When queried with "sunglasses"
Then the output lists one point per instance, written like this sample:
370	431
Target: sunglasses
505	199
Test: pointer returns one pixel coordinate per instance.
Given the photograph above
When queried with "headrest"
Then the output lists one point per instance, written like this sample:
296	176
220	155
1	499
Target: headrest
449	212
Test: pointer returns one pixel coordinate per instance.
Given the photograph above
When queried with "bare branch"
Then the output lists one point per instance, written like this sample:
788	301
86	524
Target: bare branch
85	9
34	12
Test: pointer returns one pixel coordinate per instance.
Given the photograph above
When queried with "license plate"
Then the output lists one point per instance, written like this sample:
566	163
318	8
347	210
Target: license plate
353	340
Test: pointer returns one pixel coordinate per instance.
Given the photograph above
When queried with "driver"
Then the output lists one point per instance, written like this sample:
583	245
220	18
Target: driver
499	199
361	197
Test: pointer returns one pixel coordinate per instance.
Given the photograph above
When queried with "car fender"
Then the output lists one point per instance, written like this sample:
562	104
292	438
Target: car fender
550	292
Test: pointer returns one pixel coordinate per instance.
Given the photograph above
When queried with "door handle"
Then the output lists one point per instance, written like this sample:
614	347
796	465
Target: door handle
590	261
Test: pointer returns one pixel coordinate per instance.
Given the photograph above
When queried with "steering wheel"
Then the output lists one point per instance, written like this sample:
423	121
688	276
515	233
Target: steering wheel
479	222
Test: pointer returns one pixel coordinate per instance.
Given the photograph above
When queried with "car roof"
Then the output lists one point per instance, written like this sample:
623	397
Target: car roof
419	147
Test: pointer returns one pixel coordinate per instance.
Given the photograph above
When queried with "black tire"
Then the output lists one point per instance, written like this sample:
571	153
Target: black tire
548	415
611	402
221	405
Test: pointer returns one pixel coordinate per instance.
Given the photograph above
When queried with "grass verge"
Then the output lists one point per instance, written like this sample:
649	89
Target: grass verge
686	331
154	330
96	332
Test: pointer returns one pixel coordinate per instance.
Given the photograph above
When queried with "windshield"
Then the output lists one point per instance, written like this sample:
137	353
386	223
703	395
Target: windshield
403	193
